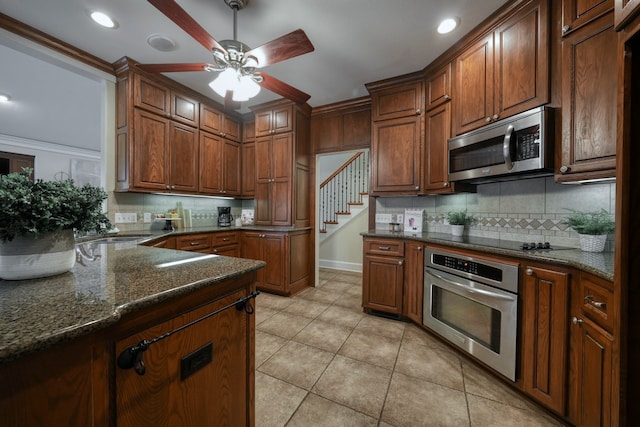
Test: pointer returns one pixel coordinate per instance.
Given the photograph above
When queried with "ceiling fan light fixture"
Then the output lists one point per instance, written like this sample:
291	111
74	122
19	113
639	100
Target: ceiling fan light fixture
448	25
225	81
246	89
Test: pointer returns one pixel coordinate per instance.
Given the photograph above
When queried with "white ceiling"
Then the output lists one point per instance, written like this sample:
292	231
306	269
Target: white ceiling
356	41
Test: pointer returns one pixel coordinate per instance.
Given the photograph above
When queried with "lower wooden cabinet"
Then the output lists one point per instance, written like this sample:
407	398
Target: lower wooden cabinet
287	256
544	331
226	243
195	377
413	281
383	275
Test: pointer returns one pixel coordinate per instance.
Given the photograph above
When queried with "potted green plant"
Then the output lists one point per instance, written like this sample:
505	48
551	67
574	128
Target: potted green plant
458	220
592	227
39	221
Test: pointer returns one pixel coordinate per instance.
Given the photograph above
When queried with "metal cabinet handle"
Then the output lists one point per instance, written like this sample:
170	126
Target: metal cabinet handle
447	97
417	187
589	299
488	119
418	111
576	321
419	248
564	169
226	239
400	262
384	248
215	251
445	184
495	117
529	272
193	243
566	28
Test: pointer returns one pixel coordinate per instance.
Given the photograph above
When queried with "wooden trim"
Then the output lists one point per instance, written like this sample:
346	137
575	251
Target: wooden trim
361	103
37	36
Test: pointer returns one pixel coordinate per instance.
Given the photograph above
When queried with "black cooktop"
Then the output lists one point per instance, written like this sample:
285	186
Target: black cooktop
527	245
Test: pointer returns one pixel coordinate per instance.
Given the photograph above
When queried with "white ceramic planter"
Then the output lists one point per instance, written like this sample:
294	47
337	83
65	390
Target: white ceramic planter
457	230
28	258
592	243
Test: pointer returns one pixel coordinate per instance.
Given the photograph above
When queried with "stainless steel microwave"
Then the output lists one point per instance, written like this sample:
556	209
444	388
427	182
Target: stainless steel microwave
516	147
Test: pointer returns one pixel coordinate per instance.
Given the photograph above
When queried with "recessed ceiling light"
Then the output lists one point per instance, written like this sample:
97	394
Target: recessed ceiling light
103	19
448	25
4	97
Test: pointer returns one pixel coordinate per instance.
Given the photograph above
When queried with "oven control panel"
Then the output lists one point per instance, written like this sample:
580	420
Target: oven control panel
472	268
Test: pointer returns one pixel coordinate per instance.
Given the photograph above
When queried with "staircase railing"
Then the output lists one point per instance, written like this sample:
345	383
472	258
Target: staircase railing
343	189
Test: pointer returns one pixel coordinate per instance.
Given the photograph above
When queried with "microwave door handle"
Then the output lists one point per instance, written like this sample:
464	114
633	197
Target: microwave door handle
471	290
506	147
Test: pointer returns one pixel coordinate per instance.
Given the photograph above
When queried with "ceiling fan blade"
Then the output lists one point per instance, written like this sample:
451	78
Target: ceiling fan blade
182	19
285	47
283	89
174	68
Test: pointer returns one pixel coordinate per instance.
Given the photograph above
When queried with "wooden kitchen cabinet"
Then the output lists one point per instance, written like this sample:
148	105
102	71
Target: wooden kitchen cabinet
396	156
341	126
625	11
287	257
438	87
164	154
282	164
413	281
151	95
184	109
505	72
589	102
398	100
226	243
383	275
436	153
576	13
13	162
218	123
544	335
220	165
183	385
270	121
248	159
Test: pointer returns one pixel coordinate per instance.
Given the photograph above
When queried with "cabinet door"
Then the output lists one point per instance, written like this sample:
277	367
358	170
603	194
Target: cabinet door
576	13
210	163
589	87
626	10
356	129
473	79
400	101
204	391
151	96
383	280
545	316
184	109
396	151
522	61
231	128
436	154
262	204
273	253
251	248
591	375
184	158
326	133
262	157
231	167
414	281
248	169
438	90
150	151
210	119
277	120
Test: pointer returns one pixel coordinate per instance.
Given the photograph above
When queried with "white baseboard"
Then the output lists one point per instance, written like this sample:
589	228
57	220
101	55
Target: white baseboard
340	265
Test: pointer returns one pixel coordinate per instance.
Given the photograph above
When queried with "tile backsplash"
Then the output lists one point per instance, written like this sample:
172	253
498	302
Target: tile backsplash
524	210
204	210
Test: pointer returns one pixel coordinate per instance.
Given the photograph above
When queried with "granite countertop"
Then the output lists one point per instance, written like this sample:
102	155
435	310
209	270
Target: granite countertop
107	281
599	264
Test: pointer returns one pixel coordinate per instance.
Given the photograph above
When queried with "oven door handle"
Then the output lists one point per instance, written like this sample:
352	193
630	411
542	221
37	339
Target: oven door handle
506	147
471	290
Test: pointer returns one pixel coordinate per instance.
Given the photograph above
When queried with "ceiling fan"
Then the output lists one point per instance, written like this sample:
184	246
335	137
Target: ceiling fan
237	63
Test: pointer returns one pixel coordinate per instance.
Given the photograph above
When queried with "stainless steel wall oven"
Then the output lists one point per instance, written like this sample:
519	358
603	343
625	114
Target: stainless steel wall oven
473	303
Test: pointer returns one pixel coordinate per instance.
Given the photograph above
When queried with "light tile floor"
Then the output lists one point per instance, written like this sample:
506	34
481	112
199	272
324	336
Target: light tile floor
321	361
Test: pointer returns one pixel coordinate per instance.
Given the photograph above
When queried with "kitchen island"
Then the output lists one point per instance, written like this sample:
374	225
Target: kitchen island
60	338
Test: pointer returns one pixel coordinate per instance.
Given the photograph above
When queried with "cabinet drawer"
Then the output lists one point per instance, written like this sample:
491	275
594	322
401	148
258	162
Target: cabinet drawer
384	247
194	242
223	239
597	301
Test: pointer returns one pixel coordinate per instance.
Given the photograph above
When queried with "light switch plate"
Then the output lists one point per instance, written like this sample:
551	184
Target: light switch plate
383	218
147	217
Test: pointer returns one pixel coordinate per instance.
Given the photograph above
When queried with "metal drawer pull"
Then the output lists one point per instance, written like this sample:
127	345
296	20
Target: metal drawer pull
131	357
384	248
194	243
576	321
589	299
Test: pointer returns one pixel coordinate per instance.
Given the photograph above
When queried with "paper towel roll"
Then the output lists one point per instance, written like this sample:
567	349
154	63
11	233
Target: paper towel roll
187	218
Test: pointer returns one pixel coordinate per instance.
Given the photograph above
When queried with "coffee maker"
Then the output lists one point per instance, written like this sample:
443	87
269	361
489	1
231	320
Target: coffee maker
224	216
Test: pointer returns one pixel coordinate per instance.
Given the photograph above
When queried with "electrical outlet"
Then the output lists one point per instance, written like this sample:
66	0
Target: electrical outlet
400	219
383	218
147	217
126	218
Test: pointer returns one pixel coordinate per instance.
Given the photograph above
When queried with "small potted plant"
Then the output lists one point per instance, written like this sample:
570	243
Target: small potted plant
458	220
39	221
592	227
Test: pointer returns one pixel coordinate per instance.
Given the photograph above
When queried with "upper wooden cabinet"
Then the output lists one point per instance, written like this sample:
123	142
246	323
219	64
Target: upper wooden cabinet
184	109
151	95
274	120
438	87
397	101
576	13
589	102
215	121
248	159
219	165
435	154
504	72
282	161
341	126
626	10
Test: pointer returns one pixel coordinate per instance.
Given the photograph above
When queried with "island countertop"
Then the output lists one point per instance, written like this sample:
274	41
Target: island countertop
107	281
